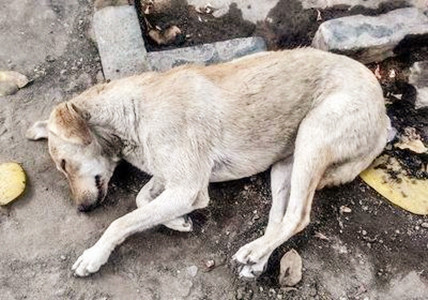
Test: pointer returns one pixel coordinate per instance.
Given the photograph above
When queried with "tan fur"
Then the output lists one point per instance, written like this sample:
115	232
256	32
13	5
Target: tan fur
66	123
317	118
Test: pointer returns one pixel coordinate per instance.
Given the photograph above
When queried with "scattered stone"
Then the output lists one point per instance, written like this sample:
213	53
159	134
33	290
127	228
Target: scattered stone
206	53
364	232
369	38
424	225
192	270
120	45
11	82
290	269
63	257
419	79
209	265
345	209
50	58
7	88
321	236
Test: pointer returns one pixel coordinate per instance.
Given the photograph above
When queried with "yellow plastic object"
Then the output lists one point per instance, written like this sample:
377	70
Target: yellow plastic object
408	193
12	182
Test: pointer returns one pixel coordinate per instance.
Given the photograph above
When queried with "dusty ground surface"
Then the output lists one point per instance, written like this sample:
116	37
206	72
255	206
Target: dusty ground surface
377	251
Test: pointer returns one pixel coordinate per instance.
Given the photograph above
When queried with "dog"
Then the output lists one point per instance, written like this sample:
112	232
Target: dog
316	118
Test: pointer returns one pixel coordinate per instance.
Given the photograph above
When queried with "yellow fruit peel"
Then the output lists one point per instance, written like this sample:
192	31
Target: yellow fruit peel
12	182
408	193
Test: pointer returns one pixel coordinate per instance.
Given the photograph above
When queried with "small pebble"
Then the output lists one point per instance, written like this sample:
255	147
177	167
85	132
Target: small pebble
209	264
364	232
424	225
50	58
192	270
63	257
345	209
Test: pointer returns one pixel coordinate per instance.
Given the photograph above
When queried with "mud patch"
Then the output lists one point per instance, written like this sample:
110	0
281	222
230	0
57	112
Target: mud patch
197	28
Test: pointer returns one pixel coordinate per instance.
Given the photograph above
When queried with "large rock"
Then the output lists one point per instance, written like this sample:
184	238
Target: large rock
369	4
370	39
120	42
419	79
205	54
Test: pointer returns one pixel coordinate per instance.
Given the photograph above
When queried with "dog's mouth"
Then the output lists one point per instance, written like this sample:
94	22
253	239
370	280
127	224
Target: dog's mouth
101	194
101	189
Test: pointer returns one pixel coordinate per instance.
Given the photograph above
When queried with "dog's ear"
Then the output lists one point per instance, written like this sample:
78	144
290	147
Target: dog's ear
70	124
38	131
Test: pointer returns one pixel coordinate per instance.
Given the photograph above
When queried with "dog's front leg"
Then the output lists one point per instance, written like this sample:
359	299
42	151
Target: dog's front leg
170	204
149	192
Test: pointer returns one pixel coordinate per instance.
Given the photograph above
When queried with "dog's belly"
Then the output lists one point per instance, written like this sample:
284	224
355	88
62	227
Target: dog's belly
247	163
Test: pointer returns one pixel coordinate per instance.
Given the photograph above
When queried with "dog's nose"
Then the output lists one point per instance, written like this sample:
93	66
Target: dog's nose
85	207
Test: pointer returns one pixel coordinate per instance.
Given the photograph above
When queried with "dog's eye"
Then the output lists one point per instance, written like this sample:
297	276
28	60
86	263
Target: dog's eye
63	164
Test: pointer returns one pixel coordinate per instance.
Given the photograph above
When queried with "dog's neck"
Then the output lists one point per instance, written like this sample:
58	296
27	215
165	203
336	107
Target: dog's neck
114	125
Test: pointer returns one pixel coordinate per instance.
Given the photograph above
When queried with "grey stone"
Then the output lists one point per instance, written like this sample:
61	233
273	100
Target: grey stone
120	42
369	4
192	270
290	272
367	38
419	79
205	54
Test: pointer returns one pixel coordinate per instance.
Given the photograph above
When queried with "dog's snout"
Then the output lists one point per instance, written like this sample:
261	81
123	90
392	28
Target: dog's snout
85	207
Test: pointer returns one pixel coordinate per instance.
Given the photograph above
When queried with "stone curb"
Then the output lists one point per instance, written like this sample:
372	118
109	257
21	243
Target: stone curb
120	44
123	53
205	54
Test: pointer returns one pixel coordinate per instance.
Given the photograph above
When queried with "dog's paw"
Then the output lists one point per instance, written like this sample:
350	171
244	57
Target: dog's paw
252	259
251	272
250	253
90	261
183	224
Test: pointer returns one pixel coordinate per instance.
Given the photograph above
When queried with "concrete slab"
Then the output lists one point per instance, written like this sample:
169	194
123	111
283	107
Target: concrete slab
120	42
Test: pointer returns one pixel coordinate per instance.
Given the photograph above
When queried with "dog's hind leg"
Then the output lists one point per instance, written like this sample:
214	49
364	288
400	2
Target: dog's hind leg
308	167
150	191
280	185
324	139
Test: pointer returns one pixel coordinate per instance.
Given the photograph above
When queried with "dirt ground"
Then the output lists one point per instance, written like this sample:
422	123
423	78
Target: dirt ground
377	251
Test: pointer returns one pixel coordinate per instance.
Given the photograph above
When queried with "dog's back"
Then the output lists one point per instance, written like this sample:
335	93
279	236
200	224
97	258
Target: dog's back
251	108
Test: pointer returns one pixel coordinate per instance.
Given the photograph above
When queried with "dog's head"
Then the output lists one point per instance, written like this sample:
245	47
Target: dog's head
77	153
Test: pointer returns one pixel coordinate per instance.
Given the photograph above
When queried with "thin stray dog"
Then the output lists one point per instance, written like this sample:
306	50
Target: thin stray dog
317	118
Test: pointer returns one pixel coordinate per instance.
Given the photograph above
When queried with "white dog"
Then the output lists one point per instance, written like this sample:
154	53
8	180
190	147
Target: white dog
317	118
